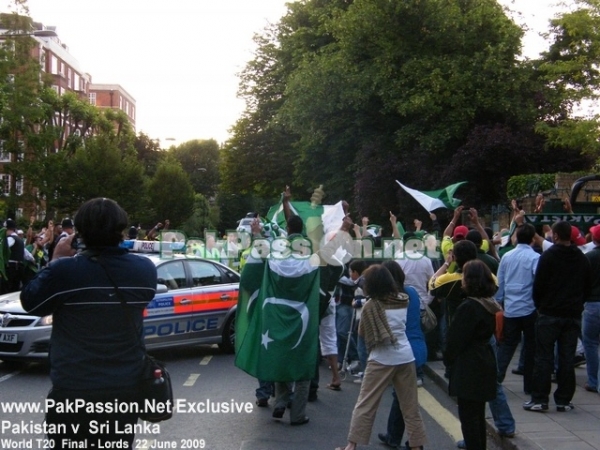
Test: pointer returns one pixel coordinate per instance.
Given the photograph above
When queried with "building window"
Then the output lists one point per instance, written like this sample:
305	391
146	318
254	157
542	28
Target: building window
19	213
19	186
4	155
53	64
92	97
5	184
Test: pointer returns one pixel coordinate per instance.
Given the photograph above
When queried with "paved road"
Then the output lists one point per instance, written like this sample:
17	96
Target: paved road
201	375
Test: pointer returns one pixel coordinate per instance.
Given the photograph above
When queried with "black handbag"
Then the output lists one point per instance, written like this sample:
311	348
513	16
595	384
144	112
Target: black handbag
157	391
155	384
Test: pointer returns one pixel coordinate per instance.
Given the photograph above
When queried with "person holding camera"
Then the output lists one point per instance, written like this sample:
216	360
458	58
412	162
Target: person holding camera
96	357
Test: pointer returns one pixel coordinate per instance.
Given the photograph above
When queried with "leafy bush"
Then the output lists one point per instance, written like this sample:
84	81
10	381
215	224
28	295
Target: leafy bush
522	185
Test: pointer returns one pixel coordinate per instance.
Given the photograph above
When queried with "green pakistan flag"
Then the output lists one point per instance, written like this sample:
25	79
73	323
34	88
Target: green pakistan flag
277	327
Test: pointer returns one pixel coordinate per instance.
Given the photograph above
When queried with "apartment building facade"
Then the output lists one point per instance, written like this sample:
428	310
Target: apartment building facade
67	75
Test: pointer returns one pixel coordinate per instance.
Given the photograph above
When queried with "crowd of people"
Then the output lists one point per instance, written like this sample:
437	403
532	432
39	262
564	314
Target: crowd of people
539	284
491	292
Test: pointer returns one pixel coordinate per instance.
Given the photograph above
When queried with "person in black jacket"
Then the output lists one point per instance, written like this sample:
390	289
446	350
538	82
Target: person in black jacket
97	352
561	284
469	354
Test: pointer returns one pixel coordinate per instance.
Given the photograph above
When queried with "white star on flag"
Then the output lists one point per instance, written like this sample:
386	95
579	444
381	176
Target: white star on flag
266	339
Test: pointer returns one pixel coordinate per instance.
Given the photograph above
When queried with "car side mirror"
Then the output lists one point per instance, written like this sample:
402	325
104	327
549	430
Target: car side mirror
161	288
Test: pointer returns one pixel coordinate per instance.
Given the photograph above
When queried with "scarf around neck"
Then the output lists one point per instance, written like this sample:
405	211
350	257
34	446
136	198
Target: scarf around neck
373	325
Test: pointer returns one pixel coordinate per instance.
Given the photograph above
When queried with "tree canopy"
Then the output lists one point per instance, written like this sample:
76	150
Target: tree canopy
356	94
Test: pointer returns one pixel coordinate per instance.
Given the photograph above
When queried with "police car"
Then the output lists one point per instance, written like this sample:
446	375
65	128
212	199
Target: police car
195	303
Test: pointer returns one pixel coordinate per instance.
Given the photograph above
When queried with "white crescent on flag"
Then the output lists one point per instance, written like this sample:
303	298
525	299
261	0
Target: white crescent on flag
298	306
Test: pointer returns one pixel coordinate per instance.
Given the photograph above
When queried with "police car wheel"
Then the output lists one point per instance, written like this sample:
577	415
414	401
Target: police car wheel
227	344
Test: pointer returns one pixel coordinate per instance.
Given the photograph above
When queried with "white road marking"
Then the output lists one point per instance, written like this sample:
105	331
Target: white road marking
205	360
191	379
9	375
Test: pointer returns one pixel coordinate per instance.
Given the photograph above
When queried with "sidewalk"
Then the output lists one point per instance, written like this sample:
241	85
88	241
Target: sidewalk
578	429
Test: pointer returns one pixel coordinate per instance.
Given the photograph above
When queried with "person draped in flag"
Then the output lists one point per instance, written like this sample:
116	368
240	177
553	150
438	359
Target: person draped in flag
276	327
277	317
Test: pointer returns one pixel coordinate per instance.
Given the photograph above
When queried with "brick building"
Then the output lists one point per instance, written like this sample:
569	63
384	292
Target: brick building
67	75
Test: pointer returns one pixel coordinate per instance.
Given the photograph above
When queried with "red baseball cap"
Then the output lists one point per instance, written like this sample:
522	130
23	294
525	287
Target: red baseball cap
576	237
460	231
595	232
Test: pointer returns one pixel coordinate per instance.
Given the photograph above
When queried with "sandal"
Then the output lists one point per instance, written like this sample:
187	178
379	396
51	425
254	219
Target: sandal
335	387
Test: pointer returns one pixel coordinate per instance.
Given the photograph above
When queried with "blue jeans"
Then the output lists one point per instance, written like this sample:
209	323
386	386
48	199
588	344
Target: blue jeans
343	320
591	339
363	354
503	418
265	390
549	331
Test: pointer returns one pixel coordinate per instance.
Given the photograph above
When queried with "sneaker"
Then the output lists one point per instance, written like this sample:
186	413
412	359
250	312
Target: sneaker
533	406
589	388
419	382
579	360
565	408
518	371
354	367
504	434
358	380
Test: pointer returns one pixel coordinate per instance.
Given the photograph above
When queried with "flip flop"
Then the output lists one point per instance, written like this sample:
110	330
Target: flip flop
335	387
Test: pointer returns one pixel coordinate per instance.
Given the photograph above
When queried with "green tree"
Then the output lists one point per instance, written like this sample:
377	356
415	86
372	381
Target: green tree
101	169
148	152
200	160
200	220
20	89
171	193
570	74
391	79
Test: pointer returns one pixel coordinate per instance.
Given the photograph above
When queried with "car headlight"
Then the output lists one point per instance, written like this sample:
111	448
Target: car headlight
45	321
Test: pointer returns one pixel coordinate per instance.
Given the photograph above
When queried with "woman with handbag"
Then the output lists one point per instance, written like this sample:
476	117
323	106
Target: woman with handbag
469	355
97	354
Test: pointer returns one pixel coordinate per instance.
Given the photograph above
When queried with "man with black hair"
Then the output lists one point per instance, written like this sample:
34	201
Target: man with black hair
515	292
97	341
561	285
475	237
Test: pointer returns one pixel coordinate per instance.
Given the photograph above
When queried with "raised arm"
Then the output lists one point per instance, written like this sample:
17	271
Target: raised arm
450	228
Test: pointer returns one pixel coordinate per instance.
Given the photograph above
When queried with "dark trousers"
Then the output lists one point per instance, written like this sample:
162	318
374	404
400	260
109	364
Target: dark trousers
512	330
14	273
472	423
76	426
564	333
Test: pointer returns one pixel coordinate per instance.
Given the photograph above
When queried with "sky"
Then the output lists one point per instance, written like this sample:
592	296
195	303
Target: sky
180	58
